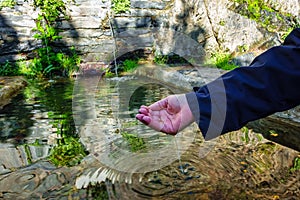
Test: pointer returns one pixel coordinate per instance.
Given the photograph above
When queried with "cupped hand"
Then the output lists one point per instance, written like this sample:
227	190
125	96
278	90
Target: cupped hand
169	115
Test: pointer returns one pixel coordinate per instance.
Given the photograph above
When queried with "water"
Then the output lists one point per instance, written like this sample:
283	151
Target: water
238	165
112	133
34	111
29	126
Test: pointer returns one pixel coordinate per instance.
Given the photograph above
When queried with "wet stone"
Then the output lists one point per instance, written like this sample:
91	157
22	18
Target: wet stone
9	87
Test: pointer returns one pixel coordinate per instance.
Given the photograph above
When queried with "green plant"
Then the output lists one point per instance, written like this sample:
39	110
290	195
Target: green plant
135	142
68	152
120	6
287	32
9	69
221	60
222	23
49	61
161	59
243	48
129	65
264	14
296	165
7	3
109	74
246	137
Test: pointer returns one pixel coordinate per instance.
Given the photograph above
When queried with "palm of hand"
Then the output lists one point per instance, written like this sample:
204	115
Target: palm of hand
169	115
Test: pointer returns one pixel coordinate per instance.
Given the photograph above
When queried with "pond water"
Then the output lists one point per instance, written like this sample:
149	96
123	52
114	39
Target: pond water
30	124
126	159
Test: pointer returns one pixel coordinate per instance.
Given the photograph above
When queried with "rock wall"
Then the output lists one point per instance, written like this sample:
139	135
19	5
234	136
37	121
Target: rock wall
190	28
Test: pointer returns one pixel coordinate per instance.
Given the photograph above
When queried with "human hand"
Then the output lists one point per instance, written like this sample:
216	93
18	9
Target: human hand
169	115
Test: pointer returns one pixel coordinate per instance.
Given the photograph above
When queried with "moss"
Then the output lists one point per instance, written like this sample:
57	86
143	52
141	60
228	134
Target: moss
221	60
266	148
7	3
265	15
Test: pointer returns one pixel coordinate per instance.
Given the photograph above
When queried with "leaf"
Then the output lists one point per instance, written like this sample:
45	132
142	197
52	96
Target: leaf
49	69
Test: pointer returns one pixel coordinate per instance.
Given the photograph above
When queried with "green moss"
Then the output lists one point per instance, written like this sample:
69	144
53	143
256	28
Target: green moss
246	137
161	59
170	60
222	23
264	14
109	74
287	32
130	124
266	148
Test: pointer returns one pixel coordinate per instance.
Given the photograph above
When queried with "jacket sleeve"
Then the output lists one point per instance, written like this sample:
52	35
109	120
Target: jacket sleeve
270	84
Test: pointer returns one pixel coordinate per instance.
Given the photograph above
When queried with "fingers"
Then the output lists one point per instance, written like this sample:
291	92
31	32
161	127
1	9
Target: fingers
144	110
162	115
159	105
143	118
153	122
150	118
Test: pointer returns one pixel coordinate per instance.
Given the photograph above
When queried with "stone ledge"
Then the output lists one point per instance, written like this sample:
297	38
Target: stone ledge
184	77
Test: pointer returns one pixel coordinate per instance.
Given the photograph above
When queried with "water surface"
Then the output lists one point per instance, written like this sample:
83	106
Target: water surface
238	165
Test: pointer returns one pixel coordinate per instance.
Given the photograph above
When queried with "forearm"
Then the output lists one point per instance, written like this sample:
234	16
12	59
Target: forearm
270	84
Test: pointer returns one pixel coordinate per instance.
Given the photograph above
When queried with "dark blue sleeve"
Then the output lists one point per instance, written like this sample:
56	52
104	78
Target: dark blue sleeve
270	84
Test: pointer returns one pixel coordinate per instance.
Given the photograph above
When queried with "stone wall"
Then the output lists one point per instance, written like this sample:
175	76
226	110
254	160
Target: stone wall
190	28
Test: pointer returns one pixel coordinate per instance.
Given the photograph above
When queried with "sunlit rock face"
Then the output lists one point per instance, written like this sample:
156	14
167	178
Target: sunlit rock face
153	25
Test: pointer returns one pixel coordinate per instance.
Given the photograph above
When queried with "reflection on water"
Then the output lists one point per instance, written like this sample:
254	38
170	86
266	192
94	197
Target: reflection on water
112	133
29	126
234	169
33	113
238	165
